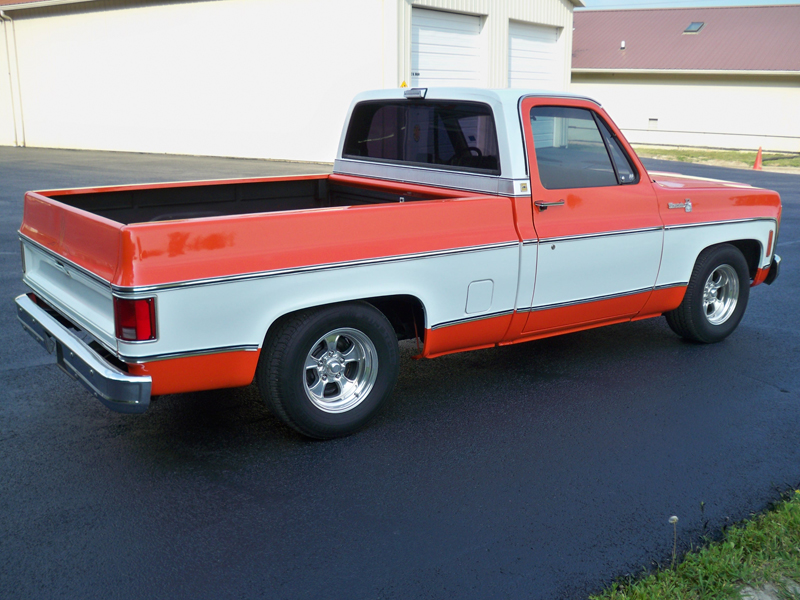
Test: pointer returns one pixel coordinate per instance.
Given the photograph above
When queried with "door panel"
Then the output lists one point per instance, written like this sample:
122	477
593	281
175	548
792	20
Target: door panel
600	241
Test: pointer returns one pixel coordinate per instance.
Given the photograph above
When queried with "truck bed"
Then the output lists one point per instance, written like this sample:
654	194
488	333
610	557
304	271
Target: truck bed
142	204
165	233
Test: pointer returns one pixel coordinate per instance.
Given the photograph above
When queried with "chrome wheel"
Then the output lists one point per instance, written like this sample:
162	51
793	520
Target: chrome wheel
340	370
720	294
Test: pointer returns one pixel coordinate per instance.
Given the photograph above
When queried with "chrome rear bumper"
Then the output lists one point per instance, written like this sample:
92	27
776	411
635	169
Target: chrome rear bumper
115	388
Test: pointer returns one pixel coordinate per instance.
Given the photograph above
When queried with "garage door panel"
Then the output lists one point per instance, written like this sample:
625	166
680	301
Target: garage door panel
534	57
445	49
446	62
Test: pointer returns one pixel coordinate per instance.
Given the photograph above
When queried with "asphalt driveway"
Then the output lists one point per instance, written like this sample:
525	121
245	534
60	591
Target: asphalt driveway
541	470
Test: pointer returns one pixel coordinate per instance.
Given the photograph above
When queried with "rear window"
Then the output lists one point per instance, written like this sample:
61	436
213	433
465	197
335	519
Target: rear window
459	136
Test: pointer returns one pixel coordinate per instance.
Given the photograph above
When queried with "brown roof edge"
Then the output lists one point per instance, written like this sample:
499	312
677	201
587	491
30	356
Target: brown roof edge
627	10
753	72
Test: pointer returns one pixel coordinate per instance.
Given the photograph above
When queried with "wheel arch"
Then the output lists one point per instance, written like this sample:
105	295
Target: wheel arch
752	250
405	312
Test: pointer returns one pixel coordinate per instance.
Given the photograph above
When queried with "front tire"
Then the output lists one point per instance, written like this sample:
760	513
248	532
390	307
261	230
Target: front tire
327	372
716	296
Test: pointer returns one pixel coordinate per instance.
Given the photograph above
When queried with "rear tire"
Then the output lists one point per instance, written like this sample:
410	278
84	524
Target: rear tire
716	296
327	372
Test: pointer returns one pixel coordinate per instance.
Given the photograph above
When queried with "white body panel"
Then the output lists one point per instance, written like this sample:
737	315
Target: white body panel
683	244
595	267
83	299
238	313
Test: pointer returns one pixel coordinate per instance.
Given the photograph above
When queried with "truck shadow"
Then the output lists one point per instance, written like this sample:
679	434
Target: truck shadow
485	392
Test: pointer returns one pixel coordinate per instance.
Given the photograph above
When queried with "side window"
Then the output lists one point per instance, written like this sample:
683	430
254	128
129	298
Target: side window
449	135
570	150
625	171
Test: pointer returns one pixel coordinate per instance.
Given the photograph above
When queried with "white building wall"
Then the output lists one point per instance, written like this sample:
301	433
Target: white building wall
741	112
250	78
9	104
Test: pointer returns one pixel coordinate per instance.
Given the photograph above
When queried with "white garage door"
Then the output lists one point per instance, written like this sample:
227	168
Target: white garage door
534	57
445	49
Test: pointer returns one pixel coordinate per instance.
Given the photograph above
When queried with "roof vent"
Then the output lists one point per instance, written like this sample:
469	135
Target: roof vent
622	45
694	27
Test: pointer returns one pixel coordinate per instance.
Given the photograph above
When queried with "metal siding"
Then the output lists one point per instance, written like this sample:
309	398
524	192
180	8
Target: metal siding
497	15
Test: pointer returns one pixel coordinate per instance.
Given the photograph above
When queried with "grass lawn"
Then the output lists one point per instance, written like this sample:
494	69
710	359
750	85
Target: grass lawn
719	157
763	550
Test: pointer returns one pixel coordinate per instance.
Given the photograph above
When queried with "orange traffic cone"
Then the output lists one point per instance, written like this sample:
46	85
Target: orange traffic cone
757	164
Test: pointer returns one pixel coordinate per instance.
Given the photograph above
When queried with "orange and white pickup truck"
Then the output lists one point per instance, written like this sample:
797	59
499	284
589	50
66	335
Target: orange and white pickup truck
463	218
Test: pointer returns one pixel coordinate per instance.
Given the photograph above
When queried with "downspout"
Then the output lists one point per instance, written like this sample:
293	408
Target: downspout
6	19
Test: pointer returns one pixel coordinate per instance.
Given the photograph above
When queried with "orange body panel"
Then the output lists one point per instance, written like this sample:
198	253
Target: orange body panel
473	335
166	252
761	275
550	322
712	200
87	240
567	317
661	301
204	372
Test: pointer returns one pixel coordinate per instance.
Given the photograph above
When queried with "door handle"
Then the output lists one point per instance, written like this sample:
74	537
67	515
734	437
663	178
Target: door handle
542	205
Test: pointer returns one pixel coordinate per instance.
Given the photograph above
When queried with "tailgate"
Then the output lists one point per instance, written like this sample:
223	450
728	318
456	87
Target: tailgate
70	257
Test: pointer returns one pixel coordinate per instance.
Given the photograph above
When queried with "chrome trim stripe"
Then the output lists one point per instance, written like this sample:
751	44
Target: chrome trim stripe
667	286
25	239
472	319
584	300
310	268
189	353
588	236
717	223
457	180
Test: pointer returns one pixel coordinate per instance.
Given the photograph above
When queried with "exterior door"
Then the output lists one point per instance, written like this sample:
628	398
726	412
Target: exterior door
595	214
535	57
446	49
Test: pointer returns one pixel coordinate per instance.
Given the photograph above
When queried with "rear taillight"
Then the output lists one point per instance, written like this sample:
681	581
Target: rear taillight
135	320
